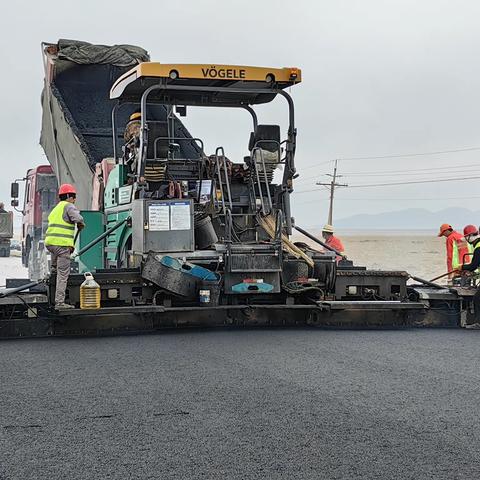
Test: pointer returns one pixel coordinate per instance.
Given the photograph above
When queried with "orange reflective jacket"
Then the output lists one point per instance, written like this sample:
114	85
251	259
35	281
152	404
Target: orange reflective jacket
457	250
335	243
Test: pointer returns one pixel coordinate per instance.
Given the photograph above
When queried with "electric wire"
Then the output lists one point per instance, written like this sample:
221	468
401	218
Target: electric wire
436	180
410	174
405	155
395	155
453	170
426	169
379	199
412	182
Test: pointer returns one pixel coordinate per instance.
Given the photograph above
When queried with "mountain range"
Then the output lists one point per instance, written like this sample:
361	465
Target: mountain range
412	218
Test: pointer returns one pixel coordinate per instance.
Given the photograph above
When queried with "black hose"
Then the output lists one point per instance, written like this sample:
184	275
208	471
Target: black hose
6	292
100	237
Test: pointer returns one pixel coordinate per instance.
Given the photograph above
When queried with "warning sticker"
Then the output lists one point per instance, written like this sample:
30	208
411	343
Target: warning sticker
159	217
180	216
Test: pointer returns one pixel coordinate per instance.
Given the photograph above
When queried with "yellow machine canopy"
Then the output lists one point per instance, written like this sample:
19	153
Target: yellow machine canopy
196	84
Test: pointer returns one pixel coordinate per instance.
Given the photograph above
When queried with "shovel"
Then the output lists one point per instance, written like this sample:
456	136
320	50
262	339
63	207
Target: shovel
443	275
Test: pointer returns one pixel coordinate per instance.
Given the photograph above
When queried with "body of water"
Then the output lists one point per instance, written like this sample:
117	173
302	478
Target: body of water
420	253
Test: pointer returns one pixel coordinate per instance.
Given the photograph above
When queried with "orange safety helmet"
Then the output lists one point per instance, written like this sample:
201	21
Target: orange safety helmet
443	228
470	230
66	188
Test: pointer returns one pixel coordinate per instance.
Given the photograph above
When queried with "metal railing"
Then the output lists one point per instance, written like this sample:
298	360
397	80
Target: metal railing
221	170
258	152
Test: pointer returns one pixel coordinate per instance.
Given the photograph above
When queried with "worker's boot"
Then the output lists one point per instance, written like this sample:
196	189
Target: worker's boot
63	306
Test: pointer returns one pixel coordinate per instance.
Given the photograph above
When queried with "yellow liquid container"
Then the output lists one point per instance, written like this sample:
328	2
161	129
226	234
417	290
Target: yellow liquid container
89	293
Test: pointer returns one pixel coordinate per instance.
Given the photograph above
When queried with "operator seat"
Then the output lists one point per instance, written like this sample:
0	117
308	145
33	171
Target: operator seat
168	158
157	144
267	137
266	142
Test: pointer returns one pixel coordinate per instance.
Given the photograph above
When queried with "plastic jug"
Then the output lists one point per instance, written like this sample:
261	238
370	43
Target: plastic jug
89	292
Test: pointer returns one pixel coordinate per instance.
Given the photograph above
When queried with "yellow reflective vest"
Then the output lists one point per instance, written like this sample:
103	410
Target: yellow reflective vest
457	246
59	232
477	271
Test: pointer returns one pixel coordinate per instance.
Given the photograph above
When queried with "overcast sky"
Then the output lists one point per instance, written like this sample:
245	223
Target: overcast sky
379	78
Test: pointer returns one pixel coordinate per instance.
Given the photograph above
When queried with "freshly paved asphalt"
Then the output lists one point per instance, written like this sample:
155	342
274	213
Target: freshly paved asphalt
257	404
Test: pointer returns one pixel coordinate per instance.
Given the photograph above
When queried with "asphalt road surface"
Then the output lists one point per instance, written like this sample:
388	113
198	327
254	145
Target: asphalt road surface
256	404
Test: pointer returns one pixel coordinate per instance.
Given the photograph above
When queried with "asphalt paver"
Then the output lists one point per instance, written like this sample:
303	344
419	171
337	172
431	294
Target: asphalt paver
242	404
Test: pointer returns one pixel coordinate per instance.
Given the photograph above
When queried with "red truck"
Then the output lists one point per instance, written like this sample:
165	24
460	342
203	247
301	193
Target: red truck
39	199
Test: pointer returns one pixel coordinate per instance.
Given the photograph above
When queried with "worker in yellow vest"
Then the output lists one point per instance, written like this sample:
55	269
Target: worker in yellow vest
60	239
472	236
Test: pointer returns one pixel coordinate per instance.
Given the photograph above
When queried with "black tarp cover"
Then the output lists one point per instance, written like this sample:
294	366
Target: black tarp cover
88	54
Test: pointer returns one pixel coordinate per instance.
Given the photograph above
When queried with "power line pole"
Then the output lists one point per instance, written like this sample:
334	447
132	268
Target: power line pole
333	184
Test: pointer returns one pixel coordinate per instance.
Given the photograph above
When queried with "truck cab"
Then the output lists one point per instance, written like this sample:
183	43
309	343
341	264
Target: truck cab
39	199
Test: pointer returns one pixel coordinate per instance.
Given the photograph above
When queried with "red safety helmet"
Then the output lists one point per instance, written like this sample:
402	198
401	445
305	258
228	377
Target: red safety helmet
470	230
66	188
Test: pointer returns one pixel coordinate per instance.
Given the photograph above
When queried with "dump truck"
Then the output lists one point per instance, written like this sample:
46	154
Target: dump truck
177	236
